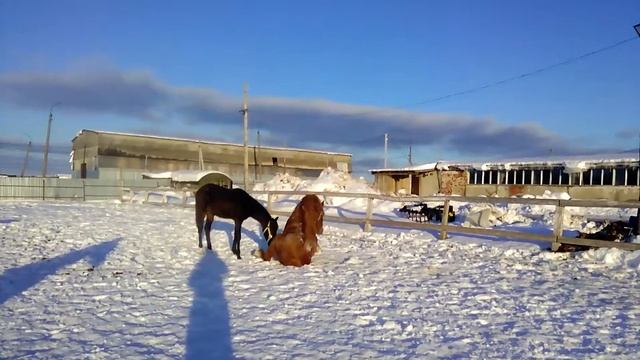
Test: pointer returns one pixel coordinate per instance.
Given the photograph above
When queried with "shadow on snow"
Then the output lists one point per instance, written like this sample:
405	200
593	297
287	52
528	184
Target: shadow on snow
14	282
208	334
229	228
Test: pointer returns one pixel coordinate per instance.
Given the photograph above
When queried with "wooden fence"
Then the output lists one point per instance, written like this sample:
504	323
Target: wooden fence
555	239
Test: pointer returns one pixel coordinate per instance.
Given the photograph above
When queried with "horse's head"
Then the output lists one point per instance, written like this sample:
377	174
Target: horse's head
314	214
270	230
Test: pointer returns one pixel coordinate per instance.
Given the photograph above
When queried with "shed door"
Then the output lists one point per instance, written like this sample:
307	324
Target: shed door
415	185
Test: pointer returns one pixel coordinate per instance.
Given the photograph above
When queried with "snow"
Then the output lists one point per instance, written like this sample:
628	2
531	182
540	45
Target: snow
183	175
438	165
126	280
570	163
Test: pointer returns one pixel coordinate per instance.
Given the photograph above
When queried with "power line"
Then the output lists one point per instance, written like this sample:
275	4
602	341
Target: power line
503	81
527	74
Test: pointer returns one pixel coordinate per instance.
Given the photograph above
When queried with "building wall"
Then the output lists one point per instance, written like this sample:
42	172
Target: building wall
383	183
429	184
154	154
454	182
450	182
617	193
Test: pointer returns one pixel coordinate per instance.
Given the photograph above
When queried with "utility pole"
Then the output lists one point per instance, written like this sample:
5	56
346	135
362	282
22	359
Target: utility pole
386	140
46	145
410	159
200	158
26	160
245	121
258	161
637	227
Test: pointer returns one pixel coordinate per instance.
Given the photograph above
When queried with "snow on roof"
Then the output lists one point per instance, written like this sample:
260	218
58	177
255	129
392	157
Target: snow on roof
205	142
438	165
571	163
183	175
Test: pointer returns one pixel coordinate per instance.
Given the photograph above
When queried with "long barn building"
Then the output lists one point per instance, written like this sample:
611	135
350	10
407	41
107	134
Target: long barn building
102	154
602	176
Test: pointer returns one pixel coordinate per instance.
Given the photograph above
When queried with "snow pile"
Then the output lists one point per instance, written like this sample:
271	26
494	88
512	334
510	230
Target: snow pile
159	196
329	180
486	215
612	258
279	182
580	219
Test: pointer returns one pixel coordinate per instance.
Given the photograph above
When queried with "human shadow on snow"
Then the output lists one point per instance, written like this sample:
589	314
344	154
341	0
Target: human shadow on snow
14	282
208	333
229	228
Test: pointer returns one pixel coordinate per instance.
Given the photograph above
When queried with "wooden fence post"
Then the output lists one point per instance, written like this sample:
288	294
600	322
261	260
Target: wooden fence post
367	221
43	185
84	191
445	220
558	225
269	201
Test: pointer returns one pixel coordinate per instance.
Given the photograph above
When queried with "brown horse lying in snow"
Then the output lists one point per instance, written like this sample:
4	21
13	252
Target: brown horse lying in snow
298	242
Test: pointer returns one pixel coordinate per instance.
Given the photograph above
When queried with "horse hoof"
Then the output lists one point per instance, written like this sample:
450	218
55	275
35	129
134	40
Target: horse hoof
200	246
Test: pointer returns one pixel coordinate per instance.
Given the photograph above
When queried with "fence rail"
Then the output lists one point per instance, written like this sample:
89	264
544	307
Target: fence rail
86	189
71	189
556	238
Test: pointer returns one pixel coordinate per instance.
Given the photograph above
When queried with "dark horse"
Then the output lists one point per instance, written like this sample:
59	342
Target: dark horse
298	242
213	200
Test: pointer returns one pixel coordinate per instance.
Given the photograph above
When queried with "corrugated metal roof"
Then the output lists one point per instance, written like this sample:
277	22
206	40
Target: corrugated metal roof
205	142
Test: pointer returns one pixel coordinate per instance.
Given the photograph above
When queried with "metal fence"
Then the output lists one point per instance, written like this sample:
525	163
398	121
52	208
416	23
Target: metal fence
72	189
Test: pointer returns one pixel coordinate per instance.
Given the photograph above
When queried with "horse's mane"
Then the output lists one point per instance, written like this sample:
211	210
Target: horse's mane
257	209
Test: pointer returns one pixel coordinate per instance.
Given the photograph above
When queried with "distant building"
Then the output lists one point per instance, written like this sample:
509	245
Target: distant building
102	154
608	176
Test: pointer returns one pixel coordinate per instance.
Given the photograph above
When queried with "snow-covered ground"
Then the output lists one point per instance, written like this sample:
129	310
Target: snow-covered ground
126	280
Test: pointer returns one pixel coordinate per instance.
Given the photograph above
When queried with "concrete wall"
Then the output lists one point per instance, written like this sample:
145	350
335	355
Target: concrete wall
454	182
155	154
429	184
617	193
388	185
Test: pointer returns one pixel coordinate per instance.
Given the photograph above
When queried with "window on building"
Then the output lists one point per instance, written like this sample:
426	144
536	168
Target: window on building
633	176
608	176
494	177
527	177
546	177
596	176
620	176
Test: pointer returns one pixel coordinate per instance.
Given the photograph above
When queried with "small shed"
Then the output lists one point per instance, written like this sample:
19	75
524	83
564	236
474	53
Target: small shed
423	180
192	179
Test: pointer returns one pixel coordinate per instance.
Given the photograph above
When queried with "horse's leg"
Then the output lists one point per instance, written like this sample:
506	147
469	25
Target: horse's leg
199	223
235	248
207	230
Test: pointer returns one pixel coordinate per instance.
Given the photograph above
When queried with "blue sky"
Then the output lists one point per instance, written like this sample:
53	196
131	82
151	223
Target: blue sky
330	75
